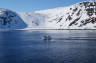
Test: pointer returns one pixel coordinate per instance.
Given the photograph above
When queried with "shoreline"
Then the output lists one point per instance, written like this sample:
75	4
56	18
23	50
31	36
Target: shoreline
27	29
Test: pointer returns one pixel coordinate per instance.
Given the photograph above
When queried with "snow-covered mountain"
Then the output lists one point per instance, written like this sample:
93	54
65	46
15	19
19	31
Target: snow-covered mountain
10	20
78	16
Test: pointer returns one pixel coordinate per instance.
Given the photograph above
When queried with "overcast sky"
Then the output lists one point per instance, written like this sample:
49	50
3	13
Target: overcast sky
33	5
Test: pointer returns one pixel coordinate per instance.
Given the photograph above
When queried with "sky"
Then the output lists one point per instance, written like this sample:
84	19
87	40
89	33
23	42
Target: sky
34	5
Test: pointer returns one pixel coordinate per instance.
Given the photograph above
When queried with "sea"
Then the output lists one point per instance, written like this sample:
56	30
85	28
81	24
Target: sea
65	46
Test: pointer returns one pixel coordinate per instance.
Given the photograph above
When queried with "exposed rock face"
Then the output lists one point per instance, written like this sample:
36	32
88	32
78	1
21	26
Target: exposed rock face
78	16
89	8
10	20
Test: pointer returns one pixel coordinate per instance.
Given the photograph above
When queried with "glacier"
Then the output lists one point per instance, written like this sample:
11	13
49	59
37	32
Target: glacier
81	15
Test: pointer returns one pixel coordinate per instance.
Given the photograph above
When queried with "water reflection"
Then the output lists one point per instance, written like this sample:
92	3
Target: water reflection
10	47
28	47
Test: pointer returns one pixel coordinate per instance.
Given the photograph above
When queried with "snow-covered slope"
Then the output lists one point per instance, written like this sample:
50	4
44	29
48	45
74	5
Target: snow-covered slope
78	16
10	20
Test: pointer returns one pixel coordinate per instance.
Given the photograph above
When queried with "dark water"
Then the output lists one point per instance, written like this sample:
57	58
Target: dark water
75	46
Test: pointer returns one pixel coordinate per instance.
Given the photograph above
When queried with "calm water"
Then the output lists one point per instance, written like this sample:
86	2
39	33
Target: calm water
75	46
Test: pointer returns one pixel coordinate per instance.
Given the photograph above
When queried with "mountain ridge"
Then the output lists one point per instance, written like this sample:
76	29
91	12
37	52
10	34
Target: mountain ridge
72	17
78	16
